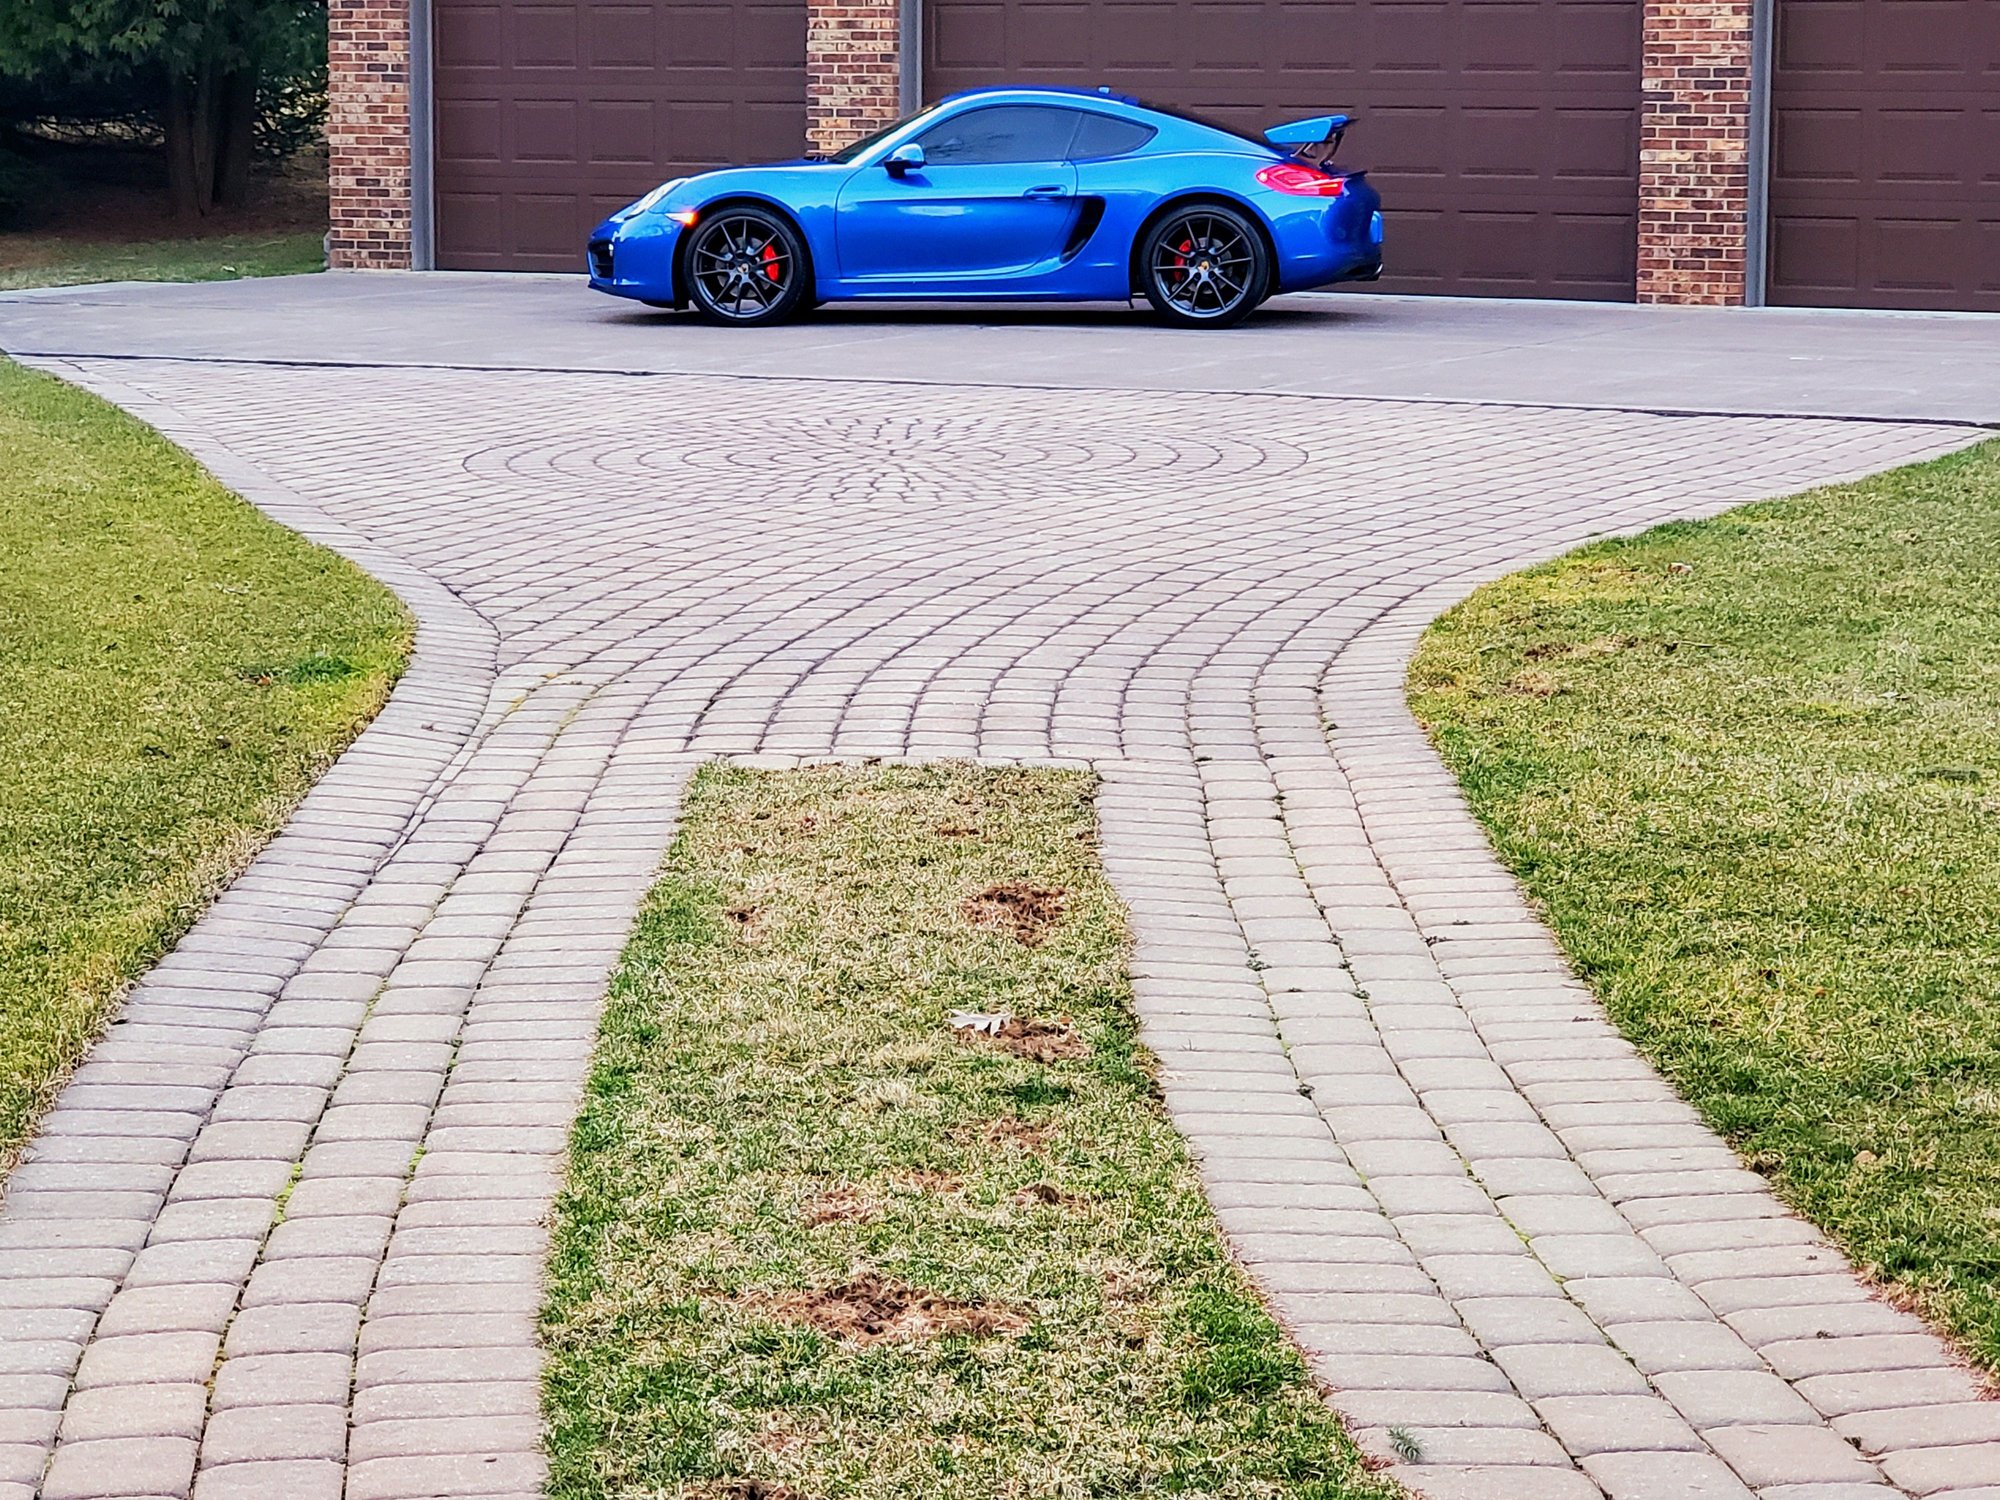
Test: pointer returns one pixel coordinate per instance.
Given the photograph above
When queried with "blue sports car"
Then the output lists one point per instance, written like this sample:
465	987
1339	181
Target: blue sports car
1018	194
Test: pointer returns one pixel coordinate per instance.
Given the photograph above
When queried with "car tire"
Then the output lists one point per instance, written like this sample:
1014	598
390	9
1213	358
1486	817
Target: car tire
746	266
1204	266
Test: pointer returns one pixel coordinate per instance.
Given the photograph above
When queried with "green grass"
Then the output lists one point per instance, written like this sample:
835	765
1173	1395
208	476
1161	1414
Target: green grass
174	672
29	260
1750	770
778	1105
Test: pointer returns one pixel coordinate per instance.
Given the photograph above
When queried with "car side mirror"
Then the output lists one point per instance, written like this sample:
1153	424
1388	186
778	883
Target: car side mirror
906	158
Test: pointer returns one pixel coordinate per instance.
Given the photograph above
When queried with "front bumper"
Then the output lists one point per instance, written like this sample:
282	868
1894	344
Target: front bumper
635	258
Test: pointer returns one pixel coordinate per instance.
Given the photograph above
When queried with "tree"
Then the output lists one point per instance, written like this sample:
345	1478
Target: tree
199	63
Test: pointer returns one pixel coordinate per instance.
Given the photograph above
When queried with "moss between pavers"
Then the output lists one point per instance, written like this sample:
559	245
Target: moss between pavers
817	1243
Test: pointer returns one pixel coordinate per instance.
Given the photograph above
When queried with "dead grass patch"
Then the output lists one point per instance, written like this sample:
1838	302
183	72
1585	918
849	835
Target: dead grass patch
873	1309
1018	909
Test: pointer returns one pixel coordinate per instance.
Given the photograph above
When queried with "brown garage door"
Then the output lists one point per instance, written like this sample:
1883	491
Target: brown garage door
551	115
1885	154
1503	133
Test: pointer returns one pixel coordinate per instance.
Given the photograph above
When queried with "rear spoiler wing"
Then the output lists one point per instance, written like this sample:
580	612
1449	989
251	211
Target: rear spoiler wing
1315	140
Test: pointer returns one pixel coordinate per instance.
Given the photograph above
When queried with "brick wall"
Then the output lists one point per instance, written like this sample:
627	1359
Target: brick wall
368	132
1694	151
853	69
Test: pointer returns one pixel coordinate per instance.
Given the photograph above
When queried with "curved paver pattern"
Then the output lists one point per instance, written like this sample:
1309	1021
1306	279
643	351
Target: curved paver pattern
282	1237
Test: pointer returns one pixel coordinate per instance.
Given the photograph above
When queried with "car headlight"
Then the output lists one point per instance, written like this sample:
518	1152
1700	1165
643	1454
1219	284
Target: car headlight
648	203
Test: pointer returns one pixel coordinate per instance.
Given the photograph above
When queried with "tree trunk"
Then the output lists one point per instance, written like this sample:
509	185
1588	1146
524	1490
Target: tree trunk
191	142
236	104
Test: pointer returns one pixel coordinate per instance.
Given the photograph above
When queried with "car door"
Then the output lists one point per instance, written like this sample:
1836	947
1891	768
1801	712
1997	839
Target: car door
996	196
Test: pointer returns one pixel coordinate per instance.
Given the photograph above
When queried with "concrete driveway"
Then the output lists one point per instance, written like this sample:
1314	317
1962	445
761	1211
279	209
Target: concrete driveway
635	544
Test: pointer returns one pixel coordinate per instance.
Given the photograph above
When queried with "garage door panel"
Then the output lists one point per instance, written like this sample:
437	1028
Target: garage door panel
475	40
1501	38
621	132
1502	145
1581	246
1503	133
1822	36
545	132
548	116
1817	146
1045	35
471	131
1594	45
1404	40
1885	139
544	36
1902	148
619	37
700	36
1915	255
1593	147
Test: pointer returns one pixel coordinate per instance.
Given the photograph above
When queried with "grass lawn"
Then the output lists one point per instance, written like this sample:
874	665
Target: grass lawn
174	672
28	260
1750	770
818	1245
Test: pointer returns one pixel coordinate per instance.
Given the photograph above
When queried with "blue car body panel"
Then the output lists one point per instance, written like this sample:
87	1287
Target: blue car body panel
1029	231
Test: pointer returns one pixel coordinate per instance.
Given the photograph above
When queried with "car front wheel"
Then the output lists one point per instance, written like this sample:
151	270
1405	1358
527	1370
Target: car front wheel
1204	267
746	266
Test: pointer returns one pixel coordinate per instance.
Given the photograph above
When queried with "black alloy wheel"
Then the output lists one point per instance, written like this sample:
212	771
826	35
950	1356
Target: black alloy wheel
746	266
1205	267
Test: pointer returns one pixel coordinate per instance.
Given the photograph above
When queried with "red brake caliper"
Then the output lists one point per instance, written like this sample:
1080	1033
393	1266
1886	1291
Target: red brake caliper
771	262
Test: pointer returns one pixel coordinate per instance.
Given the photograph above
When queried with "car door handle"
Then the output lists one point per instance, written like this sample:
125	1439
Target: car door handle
1047	190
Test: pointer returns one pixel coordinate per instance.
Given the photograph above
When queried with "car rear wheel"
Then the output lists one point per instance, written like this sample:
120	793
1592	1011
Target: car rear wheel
746	266
1204	267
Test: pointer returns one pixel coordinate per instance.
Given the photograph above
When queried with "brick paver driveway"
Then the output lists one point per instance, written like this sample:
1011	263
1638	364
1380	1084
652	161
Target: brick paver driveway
282	1236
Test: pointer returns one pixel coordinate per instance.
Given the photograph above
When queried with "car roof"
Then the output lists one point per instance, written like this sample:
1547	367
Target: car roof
1062	93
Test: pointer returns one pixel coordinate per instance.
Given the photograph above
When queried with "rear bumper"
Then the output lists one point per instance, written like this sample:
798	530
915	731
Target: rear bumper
1339	242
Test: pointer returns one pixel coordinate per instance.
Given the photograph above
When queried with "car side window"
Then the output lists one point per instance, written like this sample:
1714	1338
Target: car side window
1099	136
1005	132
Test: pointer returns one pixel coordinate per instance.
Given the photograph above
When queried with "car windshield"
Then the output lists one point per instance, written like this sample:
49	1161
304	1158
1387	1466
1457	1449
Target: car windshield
854	152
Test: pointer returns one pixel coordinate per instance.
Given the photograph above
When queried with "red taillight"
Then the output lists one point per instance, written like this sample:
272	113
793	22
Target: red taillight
1301	180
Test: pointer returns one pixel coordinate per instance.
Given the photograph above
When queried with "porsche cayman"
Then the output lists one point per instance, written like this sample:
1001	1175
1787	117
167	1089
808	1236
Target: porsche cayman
1009	194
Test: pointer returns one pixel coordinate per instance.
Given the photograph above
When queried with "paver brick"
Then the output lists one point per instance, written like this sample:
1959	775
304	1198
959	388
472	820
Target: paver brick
489	878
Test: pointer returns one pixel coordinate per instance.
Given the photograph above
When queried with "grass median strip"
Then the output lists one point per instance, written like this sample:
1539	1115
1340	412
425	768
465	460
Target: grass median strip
1750	770
175	670
871	1194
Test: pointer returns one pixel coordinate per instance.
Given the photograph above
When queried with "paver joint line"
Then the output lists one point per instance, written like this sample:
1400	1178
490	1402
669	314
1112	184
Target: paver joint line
1516	1261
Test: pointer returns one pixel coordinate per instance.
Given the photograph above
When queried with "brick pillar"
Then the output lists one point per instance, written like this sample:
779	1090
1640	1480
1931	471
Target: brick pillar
368	132
853	69
1694	151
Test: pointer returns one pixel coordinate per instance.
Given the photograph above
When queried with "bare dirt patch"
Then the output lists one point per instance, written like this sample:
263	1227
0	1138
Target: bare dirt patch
840	1205
1039	1041
1012	1130
872	1309
1018	909
746	1489
1531	684
1046	1194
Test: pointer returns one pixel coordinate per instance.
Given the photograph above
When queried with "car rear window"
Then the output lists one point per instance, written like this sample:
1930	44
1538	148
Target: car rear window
1193	117
1107	135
